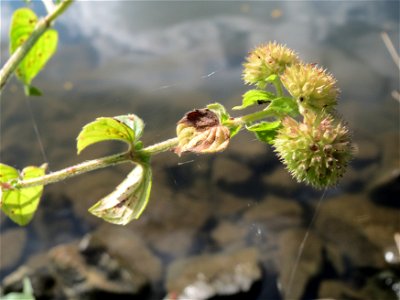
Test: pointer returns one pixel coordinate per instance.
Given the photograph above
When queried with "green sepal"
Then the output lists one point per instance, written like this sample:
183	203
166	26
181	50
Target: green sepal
224	118
265	131
128	200
283	106
20	204
220	111
23	23
126	128
254	97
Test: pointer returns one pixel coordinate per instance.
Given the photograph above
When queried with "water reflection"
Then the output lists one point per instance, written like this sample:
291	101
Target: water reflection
161	59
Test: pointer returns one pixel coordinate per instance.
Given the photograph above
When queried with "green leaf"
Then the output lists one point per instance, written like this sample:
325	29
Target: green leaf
133	122
224	118
7	174
127	128
27	292
128	200
23	23
254	97
27	286
283	106
18	296
265	131
20	204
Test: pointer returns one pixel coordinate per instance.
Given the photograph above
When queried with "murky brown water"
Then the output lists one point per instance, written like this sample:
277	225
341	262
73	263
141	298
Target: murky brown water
159	60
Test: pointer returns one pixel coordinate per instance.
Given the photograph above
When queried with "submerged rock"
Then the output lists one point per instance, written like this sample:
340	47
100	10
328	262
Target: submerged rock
111	263
281	181
385	187
206	276
229	234
170	222
299	262
230	171
228	203
355	220
42	280
93	275
13	243
276	213
334	289
130	250
367	150
383	285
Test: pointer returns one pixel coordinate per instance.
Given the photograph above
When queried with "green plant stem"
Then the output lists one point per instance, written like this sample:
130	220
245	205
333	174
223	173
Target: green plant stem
43	24
159	147
72	171
256	116
129	156
278	87
96	164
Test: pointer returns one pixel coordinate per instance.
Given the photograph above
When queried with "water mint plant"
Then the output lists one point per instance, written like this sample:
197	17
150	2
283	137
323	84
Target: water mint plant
295	114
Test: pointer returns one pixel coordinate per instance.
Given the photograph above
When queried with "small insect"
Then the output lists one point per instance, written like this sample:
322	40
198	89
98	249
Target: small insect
259	102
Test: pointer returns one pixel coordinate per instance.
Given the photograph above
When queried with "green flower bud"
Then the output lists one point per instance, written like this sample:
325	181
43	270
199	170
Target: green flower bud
200	131
313	87
316	151
266	60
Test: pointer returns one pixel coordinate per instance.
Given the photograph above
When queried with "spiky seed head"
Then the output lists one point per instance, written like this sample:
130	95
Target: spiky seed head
312	86
265	60
316	151
200	131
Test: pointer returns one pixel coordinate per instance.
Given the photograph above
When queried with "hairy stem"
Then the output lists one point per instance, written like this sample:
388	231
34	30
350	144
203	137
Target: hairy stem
278	87
43	24
256	116
129	156
72	171
95	164
159	147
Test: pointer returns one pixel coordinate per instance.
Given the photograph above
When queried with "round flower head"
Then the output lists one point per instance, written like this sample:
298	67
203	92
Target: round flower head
313	87
316	151
266	60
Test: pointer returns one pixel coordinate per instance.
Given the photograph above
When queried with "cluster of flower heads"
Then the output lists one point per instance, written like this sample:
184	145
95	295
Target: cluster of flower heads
316	149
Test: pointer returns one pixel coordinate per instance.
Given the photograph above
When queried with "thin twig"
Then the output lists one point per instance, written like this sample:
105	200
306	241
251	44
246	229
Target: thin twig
392	51
302	245
13	62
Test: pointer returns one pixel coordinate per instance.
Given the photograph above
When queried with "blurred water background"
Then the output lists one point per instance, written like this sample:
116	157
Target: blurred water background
208	215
